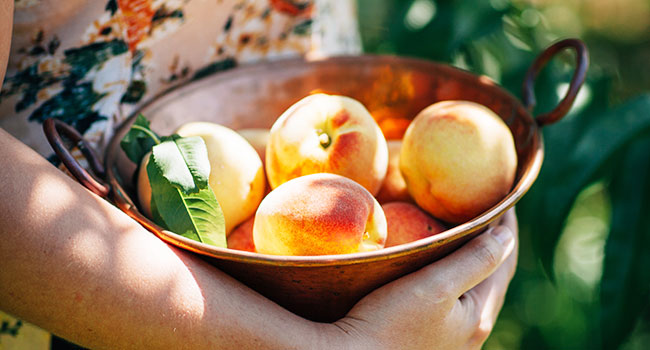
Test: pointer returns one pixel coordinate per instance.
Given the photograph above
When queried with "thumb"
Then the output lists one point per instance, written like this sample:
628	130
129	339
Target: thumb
476	260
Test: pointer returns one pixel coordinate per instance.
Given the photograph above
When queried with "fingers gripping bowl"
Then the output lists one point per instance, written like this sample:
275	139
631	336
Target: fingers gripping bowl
394	90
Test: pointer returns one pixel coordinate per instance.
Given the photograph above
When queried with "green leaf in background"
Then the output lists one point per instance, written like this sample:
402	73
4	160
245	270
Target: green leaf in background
139	140
574	157
178	171
625	285
430	29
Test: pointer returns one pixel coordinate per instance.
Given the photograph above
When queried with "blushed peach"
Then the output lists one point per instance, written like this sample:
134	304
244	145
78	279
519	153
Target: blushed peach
327	134
241	238
408	223
319	214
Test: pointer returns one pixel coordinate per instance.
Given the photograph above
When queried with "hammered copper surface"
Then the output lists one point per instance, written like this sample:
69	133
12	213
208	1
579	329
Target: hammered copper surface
324	288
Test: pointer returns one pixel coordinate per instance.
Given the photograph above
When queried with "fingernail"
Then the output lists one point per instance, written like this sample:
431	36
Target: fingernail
502	234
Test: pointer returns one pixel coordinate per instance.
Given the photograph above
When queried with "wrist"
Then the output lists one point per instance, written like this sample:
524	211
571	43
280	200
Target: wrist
330	336
346	333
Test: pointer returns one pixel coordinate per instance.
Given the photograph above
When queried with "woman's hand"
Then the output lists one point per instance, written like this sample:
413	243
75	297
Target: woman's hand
450	304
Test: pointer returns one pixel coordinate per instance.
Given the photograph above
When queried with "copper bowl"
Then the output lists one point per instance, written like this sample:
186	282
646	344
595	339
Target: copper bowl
394	89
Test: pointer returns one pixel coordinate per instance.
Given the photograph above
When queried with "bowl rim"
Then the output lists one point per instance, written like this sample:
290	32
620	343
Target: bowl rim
523	184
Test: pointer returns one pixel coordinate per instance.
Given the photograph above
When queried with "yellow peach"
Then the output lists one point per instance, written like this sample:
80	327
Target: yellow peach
144	187
258	138
236	172
458	159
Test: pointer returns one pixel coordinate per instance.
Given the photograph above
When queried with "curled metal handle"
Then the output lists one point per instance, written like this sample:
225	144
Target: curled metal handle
582	62
53	129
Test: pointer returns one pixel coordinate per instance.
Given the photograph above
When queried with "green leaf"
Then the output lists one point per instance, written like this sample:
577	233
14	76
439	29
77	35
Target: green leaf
178	171
625	285
183	162
155	214
195	155
578	150
139	140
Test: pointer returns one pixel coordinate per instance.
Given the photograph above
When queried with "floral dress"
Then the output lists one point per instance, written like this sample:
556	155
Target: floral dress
86	62
89	62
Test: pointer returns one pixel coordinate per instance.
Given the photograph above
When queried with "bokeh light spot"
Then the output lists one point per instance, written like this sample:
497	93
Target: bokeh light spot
420	14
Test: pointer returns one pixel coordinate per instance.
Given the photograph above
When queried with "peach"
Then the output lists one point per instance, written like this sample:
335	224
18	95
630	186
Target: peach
458	159
143	187
327	134
394	187
236	172
407	223
319	214
258	138
236	175
241	238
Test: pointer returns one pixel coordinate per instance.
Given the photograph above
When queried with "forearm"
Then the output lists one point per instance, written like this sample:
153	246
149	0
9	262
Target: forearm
6	23
76	265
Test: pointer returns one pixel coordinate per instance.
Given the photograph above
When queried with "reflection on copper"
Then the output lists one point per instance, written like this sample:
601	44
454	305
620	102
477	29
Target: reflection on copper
391	88
393	128
323	91
485	80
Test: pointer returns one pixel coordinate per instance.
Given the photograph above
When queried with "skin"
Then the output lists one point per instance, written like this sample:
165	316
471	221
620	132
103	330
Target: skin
6	23
77	266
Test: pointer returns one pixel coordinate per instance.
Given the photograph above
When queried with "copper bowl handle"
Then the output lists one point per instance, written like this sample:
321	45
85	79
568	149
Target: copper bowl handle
54	129
582	62
94	180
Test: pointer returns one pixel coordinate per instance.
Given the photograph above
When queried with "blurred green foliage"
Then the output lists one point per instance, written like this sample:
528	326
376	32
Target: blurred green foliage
583	279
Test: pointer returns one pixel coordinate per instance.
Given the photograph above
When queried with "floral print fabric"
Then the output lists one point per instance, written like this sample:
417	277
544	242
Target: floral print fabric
86	62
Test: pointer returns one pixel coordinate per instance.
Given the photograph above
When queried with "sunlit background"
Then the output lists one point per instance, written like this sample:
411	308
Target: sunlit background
583	279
